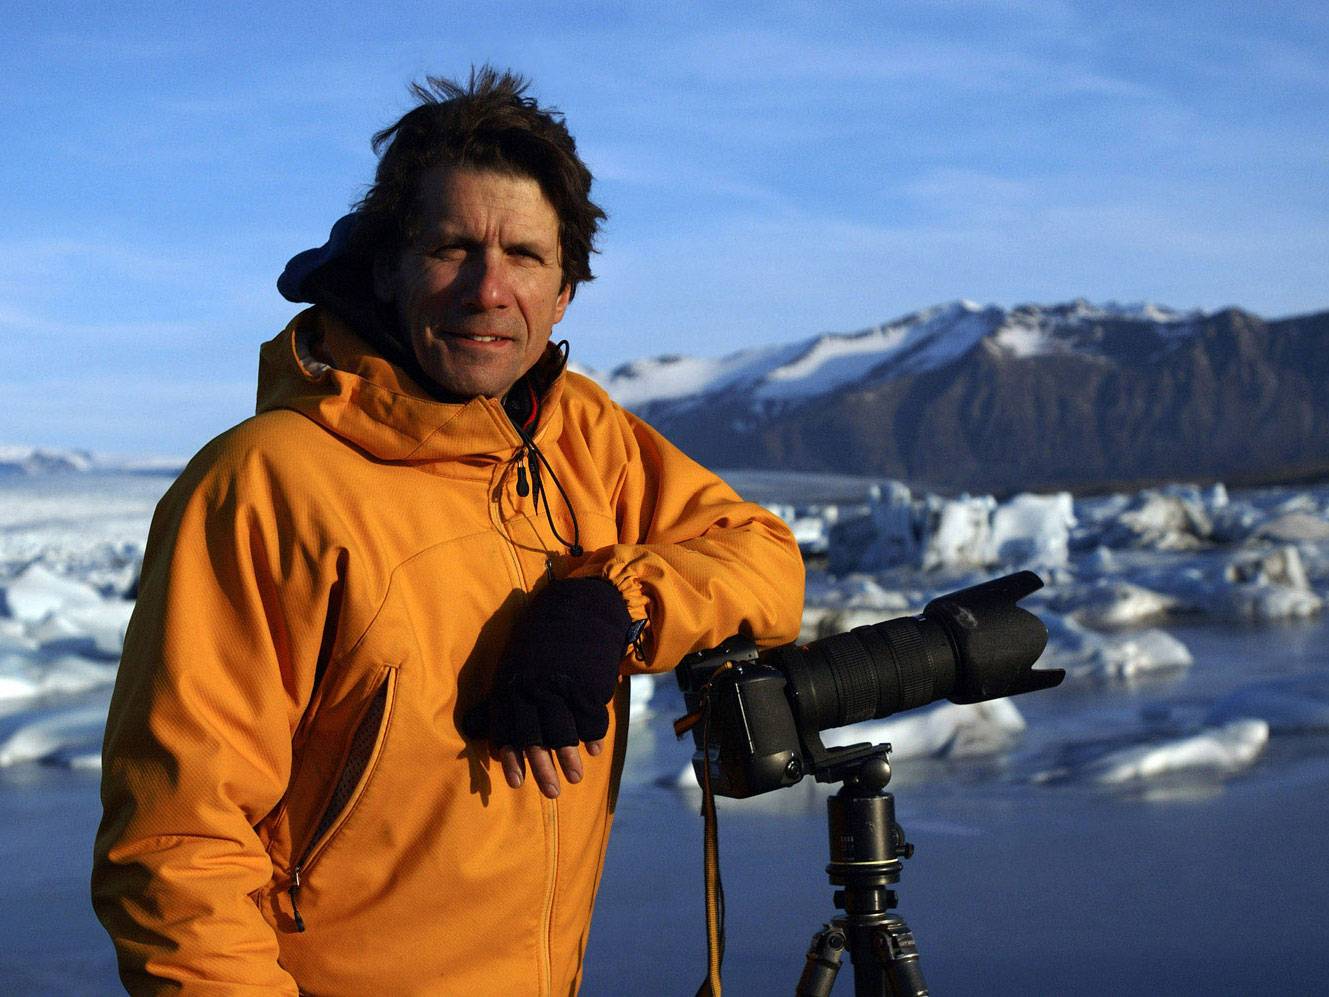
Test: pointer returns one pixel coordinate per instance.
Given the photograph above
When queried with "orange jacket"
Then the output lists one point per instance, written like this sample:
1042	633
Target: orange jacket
326	590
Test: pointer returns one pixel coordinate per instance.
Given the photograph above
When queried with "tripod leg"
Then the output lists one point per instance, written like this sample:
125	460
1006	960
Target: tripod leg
896	951
823	963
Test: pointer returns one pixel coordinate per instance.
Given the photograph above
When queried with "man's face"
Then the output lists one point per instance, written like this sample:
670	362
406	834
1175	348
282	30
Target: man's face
480	291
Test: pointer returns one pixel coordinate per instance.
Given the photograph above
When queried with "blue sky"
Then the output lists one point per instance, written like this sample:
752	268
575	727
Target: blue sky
789	169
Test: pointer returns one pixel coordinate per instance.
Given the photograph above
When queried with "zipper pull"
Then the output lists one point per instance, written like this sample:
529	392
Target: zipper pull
523	489
294	891
536	486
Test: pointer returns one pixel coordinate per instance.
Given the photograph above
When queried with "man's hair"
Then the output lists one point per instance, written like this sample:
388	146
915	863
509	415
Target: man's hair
489	124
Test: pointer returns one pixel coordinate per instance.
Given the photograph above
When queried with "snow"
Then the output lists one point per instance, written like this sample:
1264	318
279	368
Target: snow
919	341
642	381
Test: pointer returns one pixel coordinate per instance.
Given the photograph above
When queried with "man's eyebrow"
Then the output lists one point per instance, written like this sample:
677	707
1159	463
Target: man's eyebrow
457	237
527	246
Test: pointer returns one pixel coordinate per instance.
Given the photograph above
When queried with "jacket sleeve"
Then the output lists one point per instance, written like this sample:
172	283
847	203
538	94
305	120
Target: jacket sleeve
694	560
198	739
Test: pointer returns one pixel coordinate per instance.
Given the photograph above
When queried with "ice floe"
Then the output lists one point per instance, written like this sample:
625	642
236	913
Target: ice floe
1119	569
70	737
1221	750
1125	656
38	591
943	730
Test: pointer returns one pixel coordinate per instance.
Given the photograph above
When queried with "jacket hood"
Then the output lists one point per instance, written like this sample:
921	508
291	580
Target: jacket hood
322	368
339	275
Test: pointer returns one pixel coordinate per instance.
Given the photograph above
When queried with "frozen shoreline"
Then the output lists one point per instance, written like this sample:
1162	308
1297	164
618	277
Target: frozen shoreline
1119	833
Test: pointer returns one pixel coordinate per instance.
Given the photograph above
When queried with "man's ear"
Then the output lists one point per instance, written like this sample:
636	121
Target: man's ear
561	303
385	278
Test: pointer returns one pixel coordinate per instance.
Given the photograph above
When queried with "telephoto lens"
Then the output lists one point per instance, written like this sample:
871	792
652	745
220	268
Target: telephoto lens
968	646
767	708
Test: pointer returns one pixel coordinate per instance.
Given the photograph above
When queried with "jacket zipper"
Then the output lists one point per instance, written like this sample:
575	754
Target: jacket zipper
549	807
320	841
551	887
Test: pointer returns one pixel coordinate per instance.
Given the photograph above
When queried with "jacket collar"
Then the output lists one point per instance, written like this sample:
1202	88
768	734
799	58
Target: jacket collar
318	366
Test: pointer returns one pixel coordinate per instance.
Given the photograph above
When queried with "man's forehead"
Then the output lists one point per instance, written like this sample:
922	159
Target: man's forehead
456	197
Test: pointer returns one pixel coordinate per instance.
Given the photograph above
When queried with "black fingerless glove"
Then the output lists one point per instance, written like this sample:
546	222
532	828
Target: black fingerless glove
559	670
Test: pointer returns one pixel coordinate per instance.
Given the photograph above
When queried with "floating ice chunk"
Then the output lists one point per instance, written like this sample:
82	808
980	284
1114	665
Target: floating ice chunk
1161	520
1293	705
38	591
811	533
56	738
1294	527
23	677
1111	603
96	631
1264	603
1281	566
1087	654
887	536
1259	585
1033	531
14	638
16	687
1270	585
640	690
944	730
962	534
1215	750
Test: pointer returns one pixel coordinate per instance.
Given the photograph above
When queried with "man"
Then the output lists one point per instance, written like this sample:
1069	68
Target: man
424	568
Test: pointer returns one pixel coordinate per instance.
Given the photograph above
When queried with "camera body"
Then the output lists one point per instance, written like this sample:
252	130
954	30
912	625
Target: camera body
760	713
753	739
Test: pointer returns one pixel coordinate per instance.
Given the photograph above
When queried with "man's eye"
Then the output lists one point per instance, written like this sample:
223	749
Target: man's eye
449	254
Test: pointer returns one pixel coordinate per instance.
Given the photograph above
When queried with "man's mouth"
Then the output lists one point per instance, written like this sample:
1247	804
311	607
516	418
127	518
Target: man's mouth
476	337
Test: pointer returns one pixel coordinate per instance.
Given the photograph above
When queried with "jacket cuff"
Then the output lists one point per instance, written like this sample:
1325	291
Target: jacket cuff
641	646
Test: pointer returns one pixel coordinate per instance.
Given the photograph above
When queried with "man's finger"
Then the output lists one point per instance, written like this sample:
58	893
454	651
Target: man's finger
569	759
514	766
593	748
542	769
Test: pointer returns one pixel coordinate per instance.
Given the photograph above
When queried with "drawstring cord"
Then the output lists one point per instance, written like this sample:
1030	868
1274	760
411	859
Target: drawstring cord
535	458
535	487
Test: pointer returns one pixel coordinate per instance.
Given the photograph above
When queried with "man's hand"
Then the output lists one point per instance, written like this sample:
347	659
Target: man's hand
542	765
555	682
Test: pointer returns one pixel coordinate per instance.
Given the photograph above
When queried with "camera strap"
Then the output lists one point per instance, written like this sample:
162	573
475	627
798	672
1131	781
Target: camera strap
711	986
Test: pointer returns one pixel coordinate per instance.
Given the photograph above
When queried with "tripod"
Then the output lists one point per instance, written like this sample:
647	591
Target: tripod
867	846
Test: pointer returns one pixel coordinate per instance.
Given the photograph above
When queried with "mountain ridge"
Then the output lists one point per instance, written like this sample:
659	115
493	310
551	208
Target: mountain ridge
959	396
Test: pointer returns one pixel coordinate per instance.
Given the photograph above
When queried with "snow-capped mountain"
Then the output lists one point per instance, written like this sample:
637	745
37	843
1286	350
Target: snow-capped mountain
20	460
42	460
964	396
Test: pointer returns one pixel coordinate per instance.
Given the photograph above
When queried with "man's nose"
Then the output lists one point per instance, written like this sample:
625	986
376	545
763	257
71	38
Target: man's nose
488	285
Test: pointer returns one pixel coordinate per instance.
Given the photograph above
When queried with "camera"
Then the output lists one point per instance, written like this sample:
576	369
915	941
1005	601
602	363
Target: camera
761	712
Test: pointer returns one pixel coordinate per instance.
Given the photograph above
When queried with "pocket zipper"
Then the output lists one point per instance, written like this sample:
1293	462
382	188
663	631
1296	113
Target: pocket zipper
335	812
